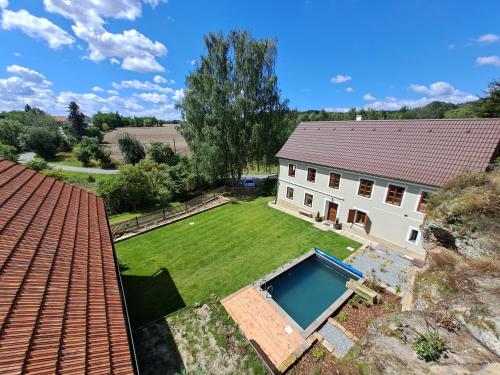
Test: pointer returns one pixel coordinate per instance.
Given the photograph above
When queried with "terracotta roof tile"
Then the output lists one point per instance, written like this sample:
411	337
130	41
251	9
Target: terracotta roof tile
428	152
60	301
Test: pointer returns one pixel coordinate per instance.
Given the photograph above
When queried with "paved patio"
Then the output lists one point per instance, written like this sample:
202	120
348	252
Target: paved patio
268	330
388	266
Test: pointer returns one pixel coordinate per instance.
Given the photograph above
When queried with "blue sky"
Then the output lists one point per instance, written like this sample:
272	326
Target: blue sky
133	56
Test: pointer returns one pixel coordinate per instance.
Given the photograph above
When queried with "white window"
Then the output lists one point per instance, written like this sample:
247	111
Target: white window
308	200
413	236
289	193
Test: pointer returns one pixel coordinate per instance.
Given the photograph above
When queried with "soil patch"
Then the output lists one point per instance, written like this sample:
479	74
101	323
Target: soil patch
201	339
359	315
164	134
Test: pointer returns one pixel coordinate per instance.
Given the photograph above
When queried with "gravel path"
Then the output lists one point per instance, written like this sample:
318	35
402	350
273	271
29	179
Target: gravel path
336	338
27	156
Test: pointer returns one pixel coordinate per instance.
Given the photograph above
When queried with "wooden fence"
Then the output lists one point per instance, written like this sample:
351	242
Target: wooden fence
139	222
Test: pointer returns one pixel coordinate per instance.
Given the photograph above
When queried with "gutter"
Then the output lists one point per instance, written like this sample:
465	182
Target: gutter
124	301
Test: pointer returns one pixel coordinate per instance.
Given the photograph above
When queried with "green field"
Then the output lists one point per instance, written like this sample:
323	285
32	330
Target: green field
225	249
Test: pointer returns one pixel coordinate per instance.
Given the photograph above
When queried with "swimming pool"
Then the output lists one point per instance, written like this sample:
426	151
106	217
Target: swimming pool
309	289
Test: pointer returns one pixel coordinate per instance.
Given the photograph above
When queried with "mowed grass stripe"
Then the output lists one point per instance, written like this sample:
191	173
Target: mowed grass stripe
225	249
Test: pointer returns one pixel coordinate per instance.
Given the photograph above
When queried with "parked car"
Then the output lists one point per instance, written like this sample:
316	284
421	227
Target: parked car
249	182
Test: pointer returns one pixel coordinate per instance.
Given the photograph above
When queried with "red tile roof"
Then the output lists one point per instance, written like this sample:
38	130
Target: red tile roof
428	152
60	299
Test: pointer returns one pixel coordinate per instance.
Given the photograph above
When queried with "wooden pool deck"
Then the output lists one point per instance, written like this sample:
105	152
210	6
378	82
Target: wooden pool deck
263	325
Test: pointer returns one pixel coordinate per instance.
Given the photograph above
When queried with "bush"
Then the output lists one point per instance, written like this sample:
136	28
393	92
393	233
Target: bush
342	316
84	156
37	164
131	148
54	173
429	347
269	187
91	150
94	132
10	133
162	153
136	187
44	141
8	152
318	354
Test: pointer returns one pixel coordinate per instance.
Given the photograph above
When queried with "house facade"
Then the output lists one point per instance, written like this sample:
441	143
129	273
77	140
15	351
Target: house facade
376	176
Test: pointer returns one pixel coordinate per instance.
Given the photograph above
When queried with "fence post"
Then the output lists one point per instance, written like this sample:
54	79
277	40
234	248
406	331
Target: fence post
164	213
137	222
186	204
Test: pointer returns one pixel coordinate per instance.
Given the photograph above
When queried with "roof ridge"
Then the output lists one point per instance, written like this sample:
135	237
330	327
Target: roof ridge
404	120
21	287
68	288
49	278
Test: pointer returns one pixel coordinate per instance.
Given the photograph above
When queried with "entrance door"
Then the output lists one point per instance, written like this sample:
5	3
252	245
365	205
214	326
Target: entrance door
332	211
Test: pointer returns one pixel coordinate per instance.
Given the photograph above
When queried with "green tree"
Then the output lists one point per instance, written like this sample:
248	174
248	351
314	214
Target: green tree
43	140
8	152
131	148
232	109
490	105
77	120
10	133
162	153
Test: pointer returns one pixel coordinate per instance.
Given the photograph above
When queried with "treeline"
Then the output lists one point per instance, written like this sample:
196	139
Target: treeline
488	106
113	120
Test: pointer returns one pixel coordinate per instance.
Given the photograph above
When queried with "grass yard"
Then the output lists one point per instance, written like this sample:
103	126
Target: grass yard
117	218
225	249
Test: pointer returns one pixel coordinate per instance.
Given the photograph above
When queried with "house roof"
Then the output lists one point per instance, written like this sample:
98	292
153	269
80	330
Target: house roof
428	152
61	309
61	119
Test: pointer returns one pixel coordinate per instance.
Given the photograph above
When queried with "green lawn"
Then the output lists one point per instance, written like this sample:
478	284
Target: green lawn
117	218
225	249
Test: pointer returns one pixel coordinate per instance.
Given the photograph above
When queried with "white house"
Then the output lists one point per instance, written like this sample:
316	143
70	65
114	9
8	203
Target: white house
375	176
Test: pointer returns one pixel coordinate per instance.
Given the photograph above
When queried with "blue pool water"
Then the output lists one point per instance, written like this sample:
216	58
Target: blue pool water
307	289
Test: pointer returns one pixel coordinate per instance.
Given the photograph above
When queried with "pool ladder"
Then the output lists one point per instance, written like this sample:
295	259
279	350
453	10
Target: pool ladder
269	291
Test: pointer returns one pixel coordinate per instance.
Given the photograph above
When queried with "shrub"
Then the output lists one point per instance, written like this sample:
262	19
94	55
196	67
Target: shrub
131	148
94	132
84	156
429	347
54	173
342	316
44	141
10	133
162	153
37	164
318	354
466	180
8	152
269	187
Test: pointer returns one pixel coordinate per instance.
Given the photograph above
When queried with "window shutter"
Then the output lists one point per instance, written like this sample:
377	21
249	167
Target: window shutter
368	224
350	216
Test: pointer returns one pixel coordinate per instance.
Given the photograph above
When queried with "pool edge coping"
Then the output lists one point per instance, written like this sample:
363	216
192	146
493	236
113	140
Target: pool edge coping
323	317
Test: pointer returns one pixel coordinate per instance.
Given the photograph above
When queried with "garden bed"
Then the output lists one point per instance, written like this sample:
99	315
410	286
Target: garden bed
355	316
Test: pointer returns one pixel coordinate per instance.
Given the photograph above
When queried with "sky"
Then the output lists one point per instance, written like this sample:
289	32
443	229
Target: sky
132	56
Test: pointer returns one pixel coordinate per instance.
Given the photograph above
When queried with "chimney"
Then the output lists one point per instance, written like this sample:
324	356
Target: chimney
359	117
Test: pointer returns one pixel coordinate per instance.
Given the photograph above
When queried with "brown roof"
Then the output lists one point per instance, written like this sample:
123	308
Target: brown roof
428	152
62	119
60	297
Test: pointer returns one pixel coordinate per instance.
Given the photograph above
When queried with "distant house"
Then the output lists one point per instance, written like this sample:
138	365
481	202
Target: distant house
62	120
61	301
375	176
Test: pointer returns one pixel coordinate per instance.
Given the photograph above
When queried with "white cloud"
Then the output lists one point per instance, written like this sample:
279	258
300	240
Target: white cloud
29	75
349	89
340	79
451	46
137	52
36	27
159	79
438	91
97	89
368	97
27	86
337	109
488	60
193	62
489	38
17	54
152	97
3	4
144	86
178	95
